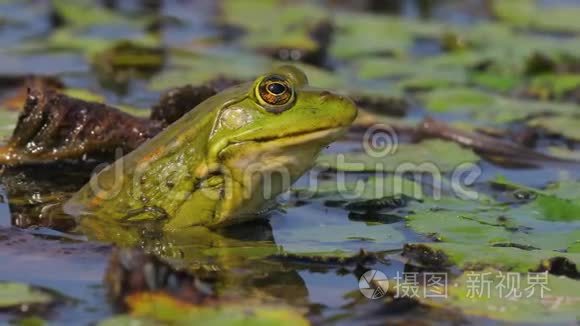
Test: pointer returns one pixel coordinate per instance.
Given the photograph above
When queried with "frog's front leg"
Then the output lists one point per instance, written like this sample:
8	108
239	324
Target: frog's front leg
200	207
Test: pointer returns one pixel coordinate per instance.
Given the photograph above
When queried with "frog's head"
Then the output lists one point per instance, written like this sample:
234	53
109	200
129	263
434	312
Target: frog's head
268	138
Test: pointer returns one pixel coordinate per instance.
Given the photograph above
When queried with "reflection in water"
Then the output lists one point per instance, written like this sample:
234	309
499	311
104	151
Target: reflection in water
237	257
5	220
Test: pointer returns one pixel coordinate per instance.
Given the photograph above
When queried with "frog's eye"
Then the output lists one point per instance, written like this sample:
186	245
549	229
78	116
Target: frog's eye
275	92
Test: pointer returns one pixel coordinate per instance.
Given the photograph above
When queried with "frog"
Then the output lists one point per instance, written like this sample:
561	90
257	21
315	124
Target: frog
225	161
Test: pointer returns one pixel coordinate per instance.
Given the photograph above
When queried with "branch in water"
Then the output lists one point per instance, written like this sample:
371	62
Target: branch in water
497	150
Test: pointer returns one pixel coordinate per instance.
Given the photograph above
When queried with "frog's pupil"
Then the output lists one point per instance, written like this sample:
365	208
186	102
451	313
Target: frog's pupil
276	88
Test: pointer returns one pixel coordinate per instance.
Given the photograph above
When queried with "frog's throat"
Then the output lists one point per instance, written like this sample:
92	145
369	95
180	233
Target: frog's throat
301	137
296	152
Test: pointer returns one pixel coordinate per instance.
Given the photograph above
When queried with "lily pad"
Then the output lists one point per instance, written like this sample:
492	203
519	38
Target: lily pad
492	227
423	157
549	222
332	236
538	298
147	309
411	74
564	153
85	13
13	295
527	13
263	15
554	86
197	69
484	106
457	99
78	41
564	125
365	35
498	82
477	257
360	34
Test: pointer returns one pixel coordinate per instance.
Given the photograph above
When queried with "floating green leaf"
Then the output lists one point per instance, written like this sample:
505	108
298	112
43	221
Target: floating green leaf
458	99
527	13
83	13
423	157
549	222
564	125
197	69
488	107
551	85
537	298
148	309
16	294
478	257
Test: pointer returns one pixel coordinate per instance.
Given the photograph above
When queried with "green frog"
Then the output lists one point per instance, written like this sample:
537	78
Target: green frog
223	161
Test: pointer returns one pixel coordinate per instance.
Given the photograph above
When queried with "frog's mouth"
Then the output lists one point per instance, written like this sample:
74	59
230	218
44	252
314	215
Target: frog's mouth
302	137
248	149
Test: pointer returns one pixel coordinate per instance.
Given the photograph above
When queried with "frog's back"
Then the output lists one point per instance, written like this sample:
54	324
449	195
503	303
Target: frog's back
159	175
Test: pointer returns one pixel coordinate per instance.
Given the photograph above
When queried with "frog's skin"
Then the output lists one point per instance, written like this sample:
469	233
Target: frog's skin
214	166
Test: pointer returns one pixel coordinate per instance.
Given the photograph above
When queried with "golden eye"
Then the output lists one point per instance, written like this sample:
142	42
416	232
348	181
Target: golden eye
276	92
